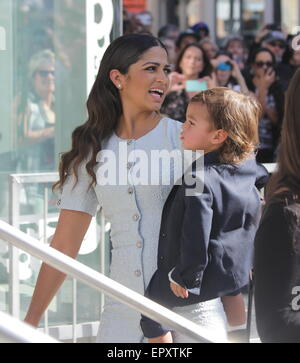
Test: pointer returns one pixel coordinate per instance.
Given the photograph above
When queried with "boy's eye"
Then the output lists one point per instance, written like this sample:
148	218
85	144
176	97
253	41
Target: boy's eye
191	122
167	70
152	68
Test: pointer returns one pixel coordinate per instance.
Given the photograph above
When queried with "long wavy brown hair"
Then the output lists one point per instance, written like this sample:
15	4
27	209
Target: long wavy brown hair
287	176
104	105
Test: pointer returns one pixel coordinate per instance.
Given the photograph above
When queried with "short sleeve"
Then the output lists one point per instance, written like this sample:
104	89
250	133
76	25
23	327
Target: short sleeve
80	197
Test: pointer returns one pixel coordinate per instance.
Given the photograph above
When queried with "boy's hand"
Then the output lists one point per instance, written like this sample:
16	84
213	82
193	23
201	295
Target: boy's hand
179	291
167	338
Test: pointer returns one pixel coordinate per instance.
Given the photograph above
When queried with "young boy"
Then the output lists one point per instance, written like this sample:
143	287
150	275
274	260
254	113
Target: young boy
206	239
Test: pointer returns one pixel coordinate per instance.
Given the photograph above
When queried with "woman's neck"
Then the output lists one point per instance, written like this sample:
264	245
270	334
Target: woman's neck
192	77
47	100
135	125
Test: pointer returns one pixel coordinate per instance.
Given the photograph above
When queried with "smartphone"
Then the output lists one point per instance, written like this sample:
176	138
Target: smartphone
196	86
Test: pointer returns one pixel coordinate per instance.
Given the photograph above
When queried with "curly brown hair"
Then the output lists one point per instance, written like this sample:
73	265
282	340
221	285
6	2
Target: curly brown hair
237	114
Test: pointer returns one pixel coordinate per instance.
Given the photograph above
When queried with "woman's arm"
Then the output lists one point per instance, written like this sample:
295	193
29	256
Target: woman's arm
69	234
263	85
236	73
273	275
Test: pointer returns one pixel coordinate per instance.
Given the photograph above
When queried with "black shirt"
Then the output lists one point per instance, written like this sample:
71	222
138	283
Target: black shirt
277	272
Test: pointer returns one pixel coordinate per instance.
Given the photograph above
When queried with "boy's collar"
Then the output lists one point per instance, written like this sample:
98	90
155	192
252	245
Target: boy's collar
212	157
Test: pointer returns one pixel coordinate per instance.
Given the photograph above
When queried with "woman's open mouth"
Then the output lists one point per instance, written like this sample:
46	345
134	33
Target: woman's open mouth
157	94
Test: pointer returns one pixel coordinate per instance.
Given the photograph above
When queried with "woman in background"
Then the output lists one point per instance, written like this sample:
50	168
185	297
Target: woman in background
192	65
36	115
277	243
262	82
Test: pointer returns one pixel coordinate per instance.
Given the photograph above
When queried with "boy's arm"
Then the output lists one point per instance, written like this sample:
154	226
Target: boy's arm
195	236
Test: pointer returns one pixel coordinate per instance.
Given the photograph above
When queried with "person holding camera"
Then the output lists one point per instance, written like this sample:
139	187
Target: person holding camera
193	73
228	73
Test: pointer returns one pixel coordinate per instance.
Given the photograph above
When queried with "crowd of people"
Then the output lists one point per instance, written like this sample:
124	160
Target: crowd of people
263	67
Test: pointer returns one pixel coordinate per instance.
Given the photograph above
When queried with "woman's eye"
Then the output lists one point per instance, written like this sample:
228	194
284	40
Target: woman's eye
152	68
191	122
167	70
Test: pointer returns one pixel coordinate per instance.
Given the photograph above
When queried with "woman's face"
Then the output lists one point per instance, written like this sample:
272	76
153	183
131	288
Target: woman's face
145	85
44	79
210	49
222	75
235	47
263	63
192	62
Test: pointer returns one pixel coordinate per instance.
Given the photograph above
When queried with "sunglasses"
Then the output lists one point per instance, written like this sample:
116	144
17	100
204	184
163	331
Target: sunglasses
276	44
45	74
260	64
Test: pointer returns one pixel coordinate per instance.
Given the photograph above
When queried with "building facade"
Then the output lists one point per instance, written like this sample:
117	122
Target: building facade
225	17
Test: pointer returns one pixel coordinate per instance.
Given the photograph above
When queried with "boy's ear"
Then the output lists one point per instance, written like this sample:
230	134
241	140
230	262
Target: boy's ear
220	137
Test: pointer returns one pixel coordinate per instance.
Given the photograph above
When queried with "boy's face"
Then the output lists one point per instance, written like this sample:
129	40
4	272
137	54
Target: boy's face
198	132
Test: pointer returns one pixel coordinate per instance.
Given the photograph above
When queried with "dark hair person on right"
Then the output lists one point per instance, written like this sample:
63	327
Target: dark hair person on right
262	81
277	243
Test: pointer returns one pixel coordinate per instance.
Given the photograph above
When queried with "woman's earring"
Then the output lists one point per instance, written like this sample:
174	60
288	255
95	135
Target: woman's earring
119	86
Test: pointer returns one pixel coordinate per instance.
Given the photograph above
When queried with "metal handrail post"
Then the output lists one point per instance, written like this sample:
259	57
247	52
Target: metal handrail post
14	283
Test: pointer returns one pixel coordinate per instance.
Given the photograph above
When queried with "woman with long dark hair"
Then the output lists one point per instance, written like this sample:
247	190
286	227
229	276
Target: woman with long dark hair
192	64
277	243
108	153
262	82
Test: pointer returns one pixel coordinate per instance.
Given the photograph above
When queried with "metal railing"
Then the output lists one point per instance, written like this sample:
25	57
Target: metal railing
270	167
14	331
17	182
110	287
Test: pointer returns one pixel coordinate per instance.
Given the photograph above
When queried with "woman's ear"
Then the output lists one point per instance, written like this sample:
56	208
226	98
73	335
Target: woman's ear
116	78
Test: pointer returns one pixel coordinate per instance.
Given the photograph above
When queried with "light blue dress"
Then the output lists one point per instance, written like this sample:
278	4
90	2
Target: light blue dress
134	212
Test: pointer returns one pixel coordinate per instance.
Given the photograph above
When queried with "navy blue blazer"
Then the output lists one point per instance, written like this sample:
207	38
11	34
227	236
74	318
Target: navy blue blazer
208	238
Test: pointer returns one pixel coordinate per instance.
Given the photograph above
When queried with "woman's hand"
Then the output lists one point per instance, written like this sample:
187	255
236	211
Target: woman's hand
210	80
179	291
269	78
261	33
264	82
177	82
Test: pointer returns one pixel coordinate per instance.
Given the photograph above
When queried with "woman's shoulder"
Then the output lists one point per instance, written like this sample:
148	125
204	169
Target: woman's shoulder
171	123
282	207
172	128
